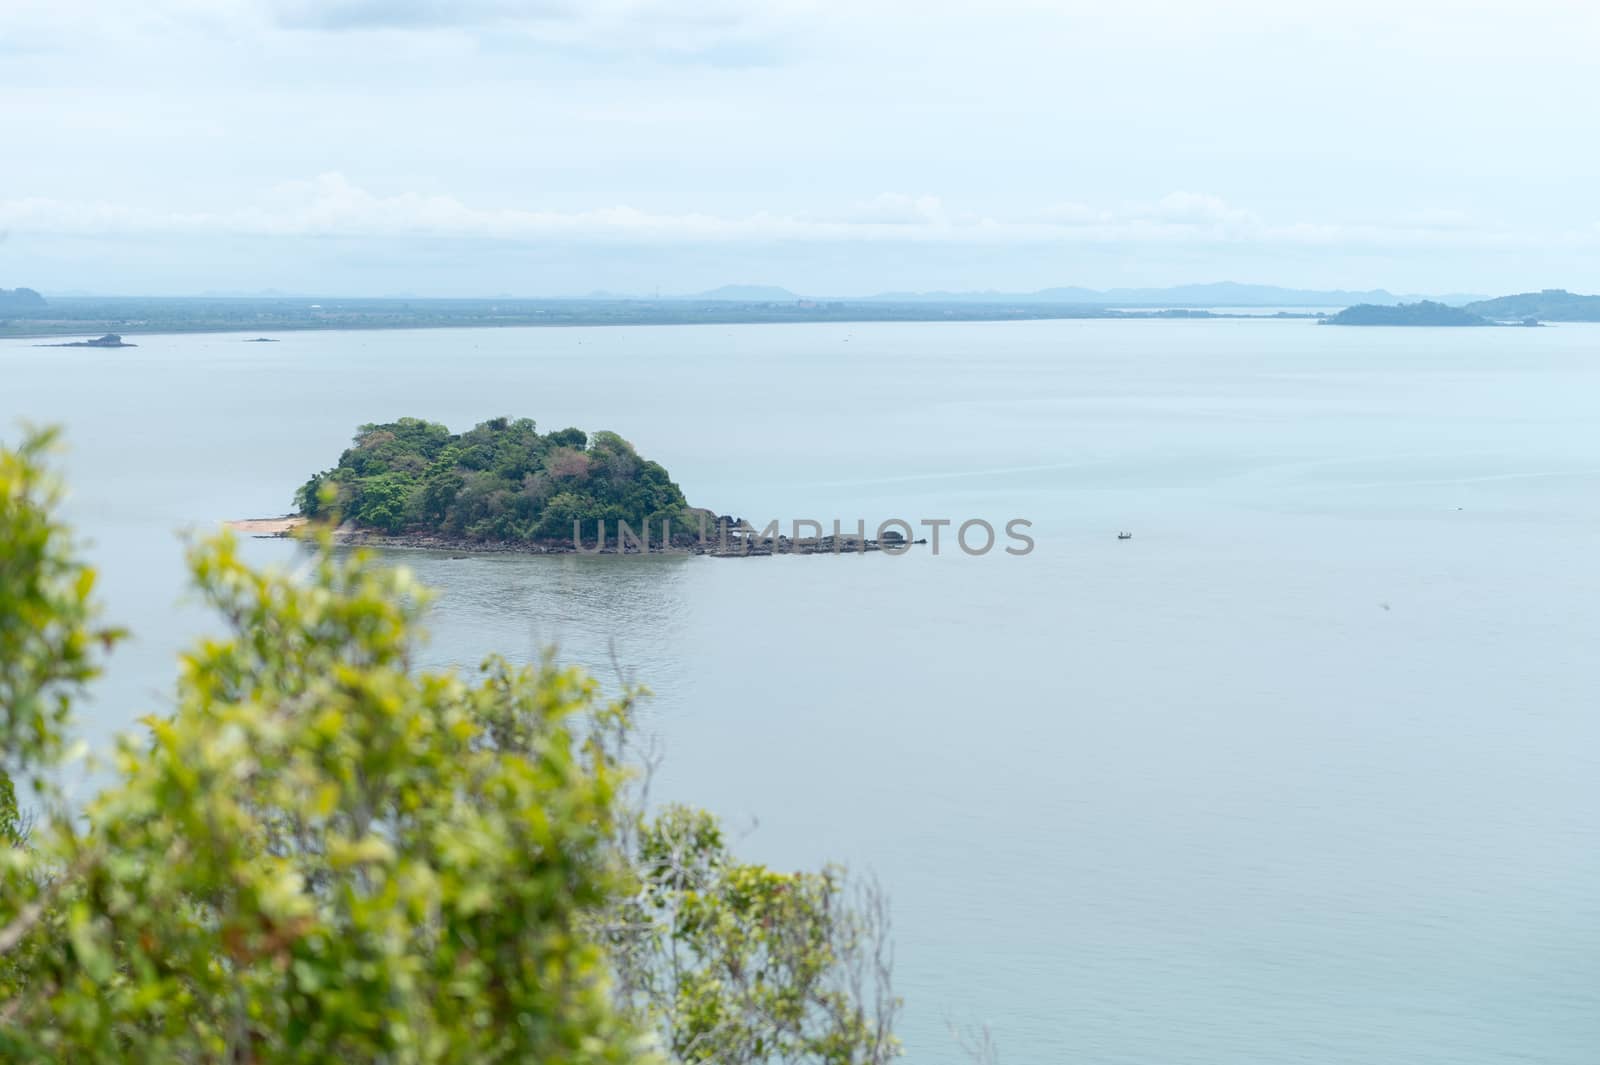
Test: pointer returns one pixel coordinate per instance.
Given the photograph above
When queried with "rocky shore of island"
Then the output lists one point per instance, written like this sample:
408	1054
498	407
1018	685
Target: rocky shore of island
739	541
734	547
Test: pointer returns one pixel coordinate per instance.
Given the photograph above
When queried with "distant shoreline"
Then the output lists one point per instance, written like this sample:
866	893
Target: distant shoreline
273	319
267	319
1186	315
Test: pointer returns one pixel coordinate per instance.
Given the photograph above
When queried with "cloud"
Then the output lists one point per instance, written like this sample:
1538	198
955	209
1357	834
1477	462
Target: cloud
41	24
1193	208
722	33
331	205
897	209
356	15
712	32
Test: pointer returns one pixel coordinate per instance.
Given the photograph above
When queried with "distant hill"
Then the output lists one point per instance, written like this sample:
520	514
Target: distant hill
1215	294
1551	305
747	294
20	301
1426	312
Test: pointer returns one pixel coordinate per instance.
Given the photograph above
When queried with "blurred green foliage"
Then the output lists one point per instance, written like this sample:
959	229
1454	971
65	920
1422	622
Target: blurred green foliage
323	853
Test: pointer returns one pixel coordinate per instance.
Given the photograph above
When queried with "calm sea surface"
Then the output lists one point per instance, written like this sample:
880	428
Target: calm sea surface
1306	771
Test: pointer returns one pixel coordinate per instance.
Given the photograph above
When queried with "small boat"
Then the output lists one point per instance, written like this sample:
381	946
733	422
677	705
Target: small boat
1124	536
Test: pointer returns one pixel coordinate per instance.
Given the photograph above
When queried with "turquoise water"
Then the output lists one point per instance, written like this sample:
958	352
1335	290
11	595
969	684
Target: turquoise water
1306	771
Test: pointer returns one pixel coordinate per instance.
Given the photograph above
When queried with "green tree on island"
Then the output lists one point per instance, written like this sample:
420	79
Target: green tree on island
500	481
325	854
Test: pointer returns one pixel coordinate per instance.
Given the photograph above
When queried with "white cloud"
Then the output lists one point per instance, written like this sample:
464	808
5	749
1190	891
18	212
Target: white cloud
1199	209
897	209
697	16
717	32
412	14
33	23
332	205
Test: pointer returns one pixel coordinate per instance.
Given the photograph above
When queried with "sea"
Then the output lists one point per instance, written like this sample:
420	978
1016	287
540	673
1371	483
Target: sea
1306	769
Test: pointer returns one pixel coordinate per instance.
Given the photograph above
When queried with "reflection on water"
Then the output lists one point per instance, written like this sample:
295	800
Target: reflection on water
616	615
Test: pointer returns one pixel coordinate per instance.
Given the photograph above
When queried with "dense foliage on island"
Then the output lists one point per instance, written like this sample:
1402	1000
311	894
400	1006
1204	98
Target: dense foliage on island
1424	312
501	481
20	301
1551	305
321	852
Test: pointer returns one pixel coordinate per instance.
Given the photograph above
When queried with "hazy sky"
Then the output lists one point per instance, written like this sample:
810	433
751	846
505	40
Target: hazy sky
548	147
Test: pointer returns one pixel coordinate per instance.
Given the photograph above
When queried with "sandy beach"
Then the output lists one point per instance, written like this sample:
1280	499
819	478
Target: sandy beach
267	526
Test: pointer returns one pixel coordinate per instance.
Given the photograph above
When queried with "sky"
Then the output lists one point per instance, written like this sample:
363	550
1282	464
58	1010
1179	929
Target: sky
560	147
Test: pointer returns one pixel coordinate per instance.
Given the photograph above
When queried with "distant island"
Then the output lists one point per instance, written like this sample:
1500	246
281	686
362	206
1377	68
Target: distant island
1527	308
1425	312
20	301
1550	305
110	340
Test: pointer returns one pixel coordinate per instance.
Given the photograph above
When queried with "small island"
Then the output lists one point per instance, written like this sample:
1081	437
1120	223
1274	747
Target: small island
505	487
1422	313
110	340
502	482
